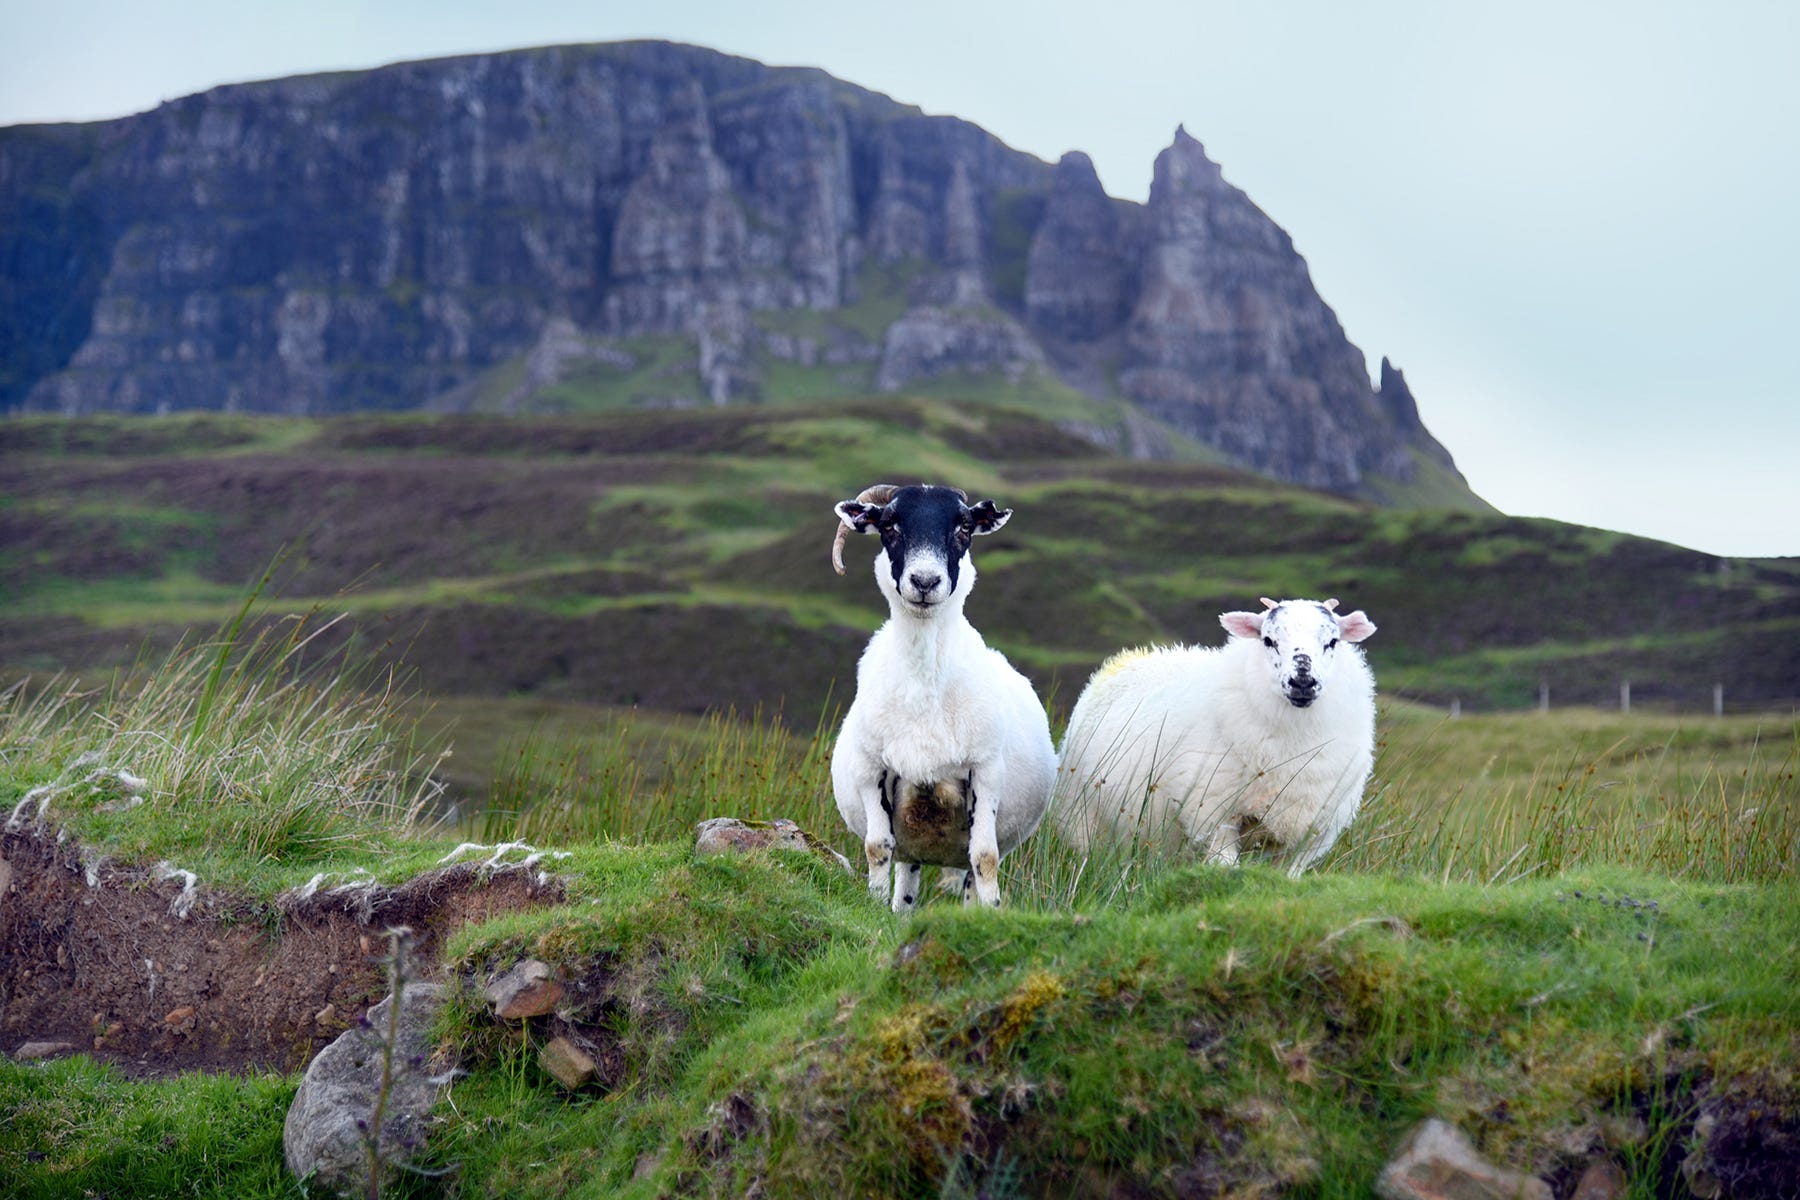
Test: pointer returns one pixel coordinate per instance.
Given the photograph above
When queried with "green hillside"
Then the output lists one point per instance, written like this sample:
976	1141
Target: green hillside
677	559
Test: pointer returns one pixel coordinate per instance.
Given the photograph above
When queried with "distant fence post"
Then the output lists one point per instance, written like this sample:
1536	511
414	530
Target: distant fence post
1718	699
1455	708
1624	695
1543	695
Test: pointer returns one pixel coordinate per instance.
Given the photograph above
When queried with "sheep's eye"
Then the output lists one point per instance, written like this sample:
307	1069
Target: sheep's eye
1332	644
1269	642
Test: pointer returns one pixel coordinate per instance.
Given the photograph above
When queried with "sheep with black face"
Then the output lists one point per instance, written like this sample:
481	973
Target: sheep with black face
945	756
1267	740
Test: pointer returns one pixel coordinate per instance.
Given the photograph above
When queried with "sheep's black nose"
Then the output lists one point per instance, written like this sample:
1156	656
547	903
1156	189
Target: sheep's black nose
925	581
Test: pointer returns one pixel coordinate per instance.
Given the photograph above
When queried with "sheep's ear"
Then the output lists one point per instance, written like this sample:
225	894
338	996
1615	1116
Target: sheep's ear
857	516
1242	624
1355	627
986	517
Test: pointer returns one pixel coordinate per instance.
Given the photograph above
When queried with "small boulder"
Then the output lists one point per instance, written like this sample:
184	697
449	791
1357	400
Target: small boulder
728	835
1436	1162
1603	1180
529	989
325	1134
570	1064
31	1051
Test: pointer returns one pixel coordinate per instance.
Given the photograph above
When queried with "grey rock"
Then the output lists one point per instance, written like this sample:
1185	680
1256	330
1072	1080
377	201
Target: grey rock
931	341
1075	272
1228	341
728	835
1436	1162
322	1140
31	1051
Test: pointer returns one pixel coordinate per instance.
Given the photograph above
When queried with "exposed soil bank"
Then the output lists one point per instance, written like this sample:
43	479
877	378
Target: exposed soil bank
158	974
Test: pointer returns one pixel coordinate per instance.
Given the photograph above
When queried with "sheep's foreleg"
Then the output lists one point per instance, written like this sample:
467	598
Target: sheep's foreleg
1223	849
984	841
906	887
878	838
1323	833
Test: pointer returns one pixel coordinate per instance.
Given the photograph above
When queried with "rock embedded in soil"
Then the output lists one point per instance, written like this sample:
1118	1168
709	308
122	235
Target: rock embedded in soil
324	1138
728	835
1603	1180
569	1063
31	1051
1436	1162
529	989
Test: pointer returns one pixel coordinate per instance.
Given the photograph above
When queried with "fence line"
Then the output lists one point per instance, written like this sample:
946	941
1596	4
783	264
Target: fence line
1625	689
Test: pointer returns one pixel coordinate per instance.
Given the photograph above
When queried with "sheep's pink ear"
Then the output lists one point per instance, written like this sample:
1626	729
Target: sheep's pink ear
1355	626
856	515
1242	624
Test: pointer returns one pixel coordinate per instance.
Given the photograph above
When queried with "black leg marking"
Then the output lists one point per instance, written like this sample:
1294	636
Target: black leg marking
886	805
970	798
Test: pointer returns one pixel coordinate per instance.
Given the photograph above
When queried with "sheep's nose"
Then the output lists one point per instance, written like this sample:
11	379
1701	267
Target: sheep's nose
925	581
1303	666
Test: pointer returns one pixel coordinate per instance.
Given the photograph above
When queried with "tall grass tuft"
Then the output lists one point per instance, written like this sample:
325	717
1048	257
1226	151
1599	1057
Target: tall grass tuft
254	750
1728	815
1722	813
628	784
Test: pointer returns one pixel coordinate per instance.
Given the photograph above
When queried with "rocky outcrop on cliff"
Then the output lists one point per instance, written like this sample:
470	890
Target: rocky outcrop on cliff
1228	340
1075	273
478	231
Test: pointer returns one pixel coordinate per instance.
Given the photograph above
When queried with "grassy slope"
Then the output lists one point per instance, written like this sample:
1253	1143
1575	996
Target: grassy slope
653	558
1236	1029
1139	1024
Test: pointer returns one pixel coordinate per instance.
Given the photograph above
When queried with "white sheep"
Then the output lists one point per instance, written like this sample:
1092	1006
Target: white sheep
1266	740
945	756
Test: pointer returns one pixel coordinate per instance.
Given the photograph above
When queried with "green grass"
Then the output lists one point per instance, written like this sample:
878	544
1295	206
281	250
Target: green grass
1483	799
1541	925
75	1128
244	755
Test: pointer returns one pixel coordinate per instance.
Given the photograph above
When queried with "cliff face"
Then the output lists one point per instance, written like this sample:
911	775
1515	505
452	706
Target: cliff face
395	238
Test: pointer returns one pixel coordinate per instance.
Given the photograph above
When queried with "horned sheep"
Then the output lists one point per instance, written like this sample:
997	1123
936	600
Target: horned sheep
944	757
1267	740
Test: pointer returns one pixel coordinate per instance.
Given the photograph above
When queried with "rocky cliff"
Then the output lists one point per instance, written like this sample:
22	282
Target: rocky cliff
674	224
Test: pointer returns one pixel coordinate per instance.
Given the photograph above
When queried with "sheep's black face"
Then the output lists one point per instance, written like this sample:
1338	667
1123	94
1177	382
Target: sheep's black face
925	534
1301	640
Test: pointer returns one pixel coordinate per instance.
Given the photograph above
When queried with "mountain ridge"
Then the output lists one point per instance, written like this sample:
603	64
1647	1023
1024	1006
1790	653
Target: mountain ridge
652	223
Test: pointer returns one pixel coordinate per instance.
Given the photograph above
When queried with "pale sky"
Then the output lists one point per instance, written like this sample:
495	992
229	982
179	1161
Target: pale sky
1574	225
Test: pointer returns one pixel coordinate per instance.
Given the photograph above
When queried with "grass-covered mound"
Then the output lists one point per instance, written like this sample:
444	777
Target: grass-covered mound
1229	1033
1574	940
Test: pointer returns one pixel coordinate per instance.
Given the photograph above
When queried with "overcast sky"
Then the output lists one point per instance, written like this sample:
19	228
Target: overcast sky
1572	224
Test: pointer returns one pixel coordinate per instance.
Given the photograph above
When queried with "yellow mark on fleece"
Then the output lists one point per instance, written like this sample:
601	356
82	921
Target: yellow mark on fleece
1123	659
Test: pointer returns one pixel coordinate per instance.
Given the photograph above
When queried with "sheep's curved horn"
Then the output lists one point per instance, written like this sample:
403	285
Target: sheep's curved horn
1268	603
879	493
1331	605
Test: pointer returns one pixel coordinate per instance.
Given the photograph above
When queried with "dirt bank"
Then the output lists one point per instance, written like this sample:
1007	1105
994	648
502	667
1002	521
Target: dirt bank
159	973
